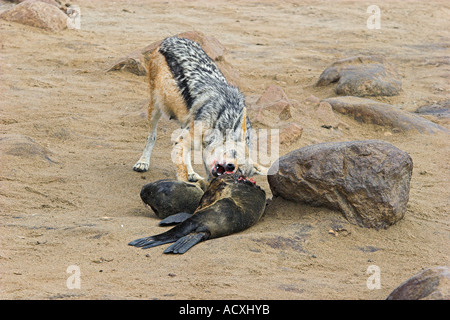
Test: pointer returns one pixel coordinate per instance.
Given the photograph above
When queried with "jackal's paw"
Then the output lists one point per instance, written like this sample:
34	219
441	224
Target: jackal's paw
194	177
141	166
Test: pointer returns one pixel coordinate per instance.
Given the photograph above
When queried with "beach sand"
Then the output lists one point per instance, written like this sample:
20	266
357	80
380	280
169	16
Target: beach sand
71	133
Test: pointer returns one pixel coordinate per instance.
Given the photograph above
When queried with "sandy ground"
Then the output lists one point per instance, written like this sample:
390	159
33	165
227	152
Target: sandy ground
72	198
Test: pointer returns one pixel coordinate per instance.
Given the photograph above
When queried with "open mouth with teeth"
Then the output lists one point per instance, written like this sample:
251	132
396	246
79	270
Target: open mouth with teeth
220	169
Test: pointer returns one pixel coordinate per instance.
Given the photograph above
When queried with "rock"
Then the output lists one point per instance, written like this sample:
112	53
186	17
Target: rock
212	47
430	284
368	181
312	113
133	63
370	111
272	107
137	61
37	14
362	76
273	94
167	197
273	110
440	109
312	99
290	133
272	114
18	145
52	2
438	112
325	115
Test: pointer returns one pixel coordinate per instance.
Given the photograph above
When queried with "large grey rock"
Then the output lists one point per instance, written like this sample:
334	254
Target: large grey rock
368	181
430	284
440	109
362	76
383	114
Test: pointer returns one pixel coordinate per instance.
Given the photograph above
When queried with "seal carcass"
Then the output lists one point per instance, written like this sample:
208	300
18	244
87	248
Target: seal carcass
231	203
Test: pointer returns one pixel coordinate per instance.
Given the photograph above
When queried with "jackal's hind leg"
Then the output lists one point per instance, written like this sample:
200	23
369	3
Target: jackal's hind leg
144	161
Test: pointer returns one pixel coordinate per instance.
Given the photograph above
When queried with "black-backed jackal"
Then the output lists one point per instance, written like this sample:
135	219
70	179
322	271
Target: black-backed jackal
186	85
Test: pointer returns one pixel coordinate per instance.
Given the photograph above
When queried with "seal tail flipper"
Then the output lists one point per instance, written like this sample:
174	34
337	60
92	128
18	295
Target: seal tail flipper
169	236
174	219
185	243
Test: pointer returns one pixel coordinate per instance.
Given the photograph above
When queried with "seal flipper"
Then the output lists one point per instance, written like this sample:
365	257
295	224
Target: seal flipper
185	243
175	219
150	242
138	242
169	236
153	241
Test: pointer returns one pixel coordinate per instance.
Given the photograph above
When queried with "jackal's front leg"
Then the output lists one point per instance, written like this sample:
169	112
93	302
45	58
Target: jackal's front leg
185	172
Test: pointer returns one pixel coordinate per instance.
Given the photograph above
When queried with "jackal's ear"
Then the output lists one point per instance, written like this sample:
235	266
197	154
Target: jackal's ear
244	122
240	125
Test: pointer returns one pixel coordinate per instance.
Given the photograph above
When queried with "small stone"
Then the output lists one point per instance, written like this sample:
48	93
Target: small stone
325	115
290	133
272	94
272	107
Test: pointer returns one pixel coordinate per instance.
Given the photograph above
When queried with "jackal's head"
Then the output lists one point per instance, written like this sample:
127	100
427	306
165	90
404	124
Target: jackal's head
231	152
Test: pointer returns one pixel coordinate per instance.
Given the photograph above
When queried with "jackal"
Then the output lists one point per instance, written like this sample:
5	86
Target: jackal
186	85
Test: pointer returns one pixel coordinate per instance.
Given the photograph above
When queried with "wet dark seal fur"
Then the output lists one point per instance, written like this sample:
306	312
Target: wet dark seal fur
167	197
231	204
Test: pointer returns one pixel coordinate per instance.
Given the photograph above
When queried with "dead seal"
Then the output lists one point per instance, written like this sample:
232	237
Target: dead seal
231	203
167	197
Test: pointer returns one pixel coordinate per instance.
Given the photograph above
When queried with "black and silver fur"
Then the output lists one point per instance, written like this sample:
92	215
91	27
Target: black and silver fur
206	92
209	101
